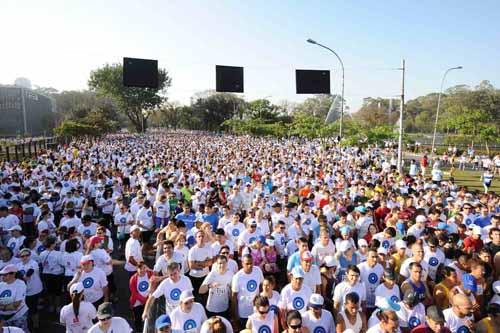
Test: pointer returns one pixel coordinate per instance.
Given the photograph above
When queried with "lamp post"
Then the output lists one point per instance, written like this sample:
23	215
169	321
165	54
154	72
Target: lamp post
439	104
342	66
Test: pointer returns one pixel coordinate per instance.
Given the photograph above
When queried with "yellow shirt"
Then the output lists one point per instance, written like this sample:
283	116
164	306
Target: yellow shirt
398	261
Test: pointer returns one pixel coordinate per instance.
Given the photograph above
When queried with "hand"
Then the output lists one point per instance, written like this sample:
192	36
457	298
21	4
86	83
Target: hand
144	316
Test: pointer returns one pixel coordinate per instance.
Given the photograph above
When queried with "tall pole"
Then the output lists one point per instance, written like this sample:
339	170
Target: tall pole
439	104
342	67
401	109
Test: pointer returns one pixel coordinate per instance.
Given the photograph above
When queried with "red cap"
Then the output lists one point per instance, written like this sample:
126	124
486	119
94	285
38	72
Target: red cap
95	239
306	256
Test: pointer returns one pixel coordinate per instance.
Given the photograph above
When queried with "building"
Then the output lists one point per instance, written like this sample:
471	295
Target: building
25	112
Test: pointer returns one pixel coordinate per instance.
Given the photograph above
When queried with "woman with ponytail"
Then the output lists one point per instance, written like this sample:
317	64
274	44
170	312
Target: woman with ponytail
78	315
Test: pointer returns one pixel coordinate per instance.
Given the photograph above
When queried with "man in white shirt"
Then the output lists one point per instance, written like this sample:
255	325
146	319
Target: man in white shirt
350	284
133	252
94	281
199	261
371	275
108	323
189	316
317	319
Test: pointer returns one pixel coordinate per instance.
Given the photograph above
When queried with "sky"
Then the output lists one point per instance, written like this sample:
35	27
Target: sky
57	43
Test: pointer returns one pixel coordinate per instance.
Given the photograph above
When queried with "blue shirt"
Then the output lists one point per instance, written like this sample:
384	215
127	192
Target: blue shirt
293	261
213	219
188	219
483	221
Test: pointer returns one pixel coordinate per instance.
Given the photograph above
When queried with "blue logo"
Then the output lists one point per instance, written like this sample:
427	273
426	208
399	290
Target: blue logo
12	245
86	232
283	241
175	294
235	232
319	329
40	249
386	244
189	325
143	286
467	222
150	213
372	278
394	298
251	240
274	308
413	322
433	261
6	293
307	222
463	329
88	282
123	220
298	303
264	329
251	285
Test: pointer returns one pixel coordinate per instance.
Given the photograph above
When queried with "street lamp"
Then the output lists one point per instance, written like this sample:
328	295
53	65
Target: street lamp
342	66
439	104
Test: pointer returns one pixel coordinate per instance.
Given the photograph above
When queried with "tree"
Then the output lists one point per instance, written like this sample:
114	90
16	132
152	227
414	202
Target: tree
377	112
317	106
136	103
261	109
215	108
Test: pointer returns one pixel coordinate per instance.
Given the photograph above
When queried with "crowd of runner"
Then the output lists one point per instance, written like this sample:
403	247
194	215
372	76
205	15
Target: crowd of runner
224	234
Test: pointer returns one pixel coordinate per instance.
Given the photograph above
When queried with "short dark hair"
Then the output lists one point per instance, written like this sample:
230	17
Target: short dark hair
353	268
294	314
352	298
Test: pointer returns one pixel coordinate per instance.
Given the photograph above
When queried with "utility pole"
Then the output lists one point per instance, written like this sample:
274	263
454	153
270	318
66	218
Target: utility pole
401	109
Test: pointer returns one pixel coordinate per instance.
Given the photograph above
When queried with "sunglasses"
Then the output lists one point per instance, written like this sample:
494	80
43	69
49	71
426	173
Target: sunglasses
104	319
24	255
296	327
264	312
224	253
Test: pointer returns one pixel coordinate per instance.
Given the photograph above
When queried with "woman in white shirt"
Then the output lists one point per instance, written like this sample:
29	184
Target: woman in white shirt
70	260
77	317
52	272
29	272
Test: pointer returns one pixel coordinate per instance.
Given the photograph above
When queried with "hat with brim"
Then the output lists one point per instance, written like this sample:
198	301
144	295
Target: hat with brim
163	321
104	311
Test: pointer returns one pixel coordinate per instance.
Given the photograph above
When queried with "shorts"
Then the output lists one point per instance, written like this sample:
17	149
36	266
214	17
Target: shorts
53	284
146	236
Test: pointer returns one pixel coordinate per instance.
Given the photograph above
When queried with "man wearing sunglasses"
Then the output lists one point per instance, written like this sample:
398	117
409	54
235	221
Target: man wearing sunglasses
317	319
107	323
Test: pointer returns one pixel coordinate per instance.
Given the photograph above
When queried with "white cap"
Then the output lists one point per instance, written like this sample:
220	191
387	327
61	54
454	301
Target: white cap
344	245
400	244
8	269
86	258
496	287
382	250
297	273
421	218
186	295
76	288
316	300
362	242
331	261
15	227
476	230
134	228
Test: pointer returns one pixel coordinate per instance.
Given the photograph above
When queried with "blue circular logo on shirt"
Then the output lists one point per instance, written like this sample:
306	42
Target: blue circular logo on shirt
307	222
413	322
433	261
319	329
12	245
123	220
463	329
143	286
189	324
298	303
283	241
175	294
251	240
150	213
235	232
264	329
394	298
386	244
88	282
372	278
468	221
251	285
274	308
40	249
6	293
86	232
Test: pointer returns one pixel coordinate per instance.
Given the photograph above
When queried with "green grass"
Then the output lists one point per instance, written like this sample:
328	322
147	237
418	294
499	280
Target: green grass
472	179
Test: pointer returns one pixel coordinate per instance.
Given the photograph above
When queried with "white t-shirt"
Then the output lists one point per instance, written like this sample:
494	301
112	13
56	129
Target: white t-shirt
132	249
295	299
162	209
145	217
188	322
262	325
233	231
325	324
433	259
93	282
162	263
454	323
312	278
344	288
13	292
51	262
117	325
405	268
122	222
71	261
218	296
87	230
172	291
34	283
371	277
319	251
383	292
197	253
86	314
102	260
411	318
247	287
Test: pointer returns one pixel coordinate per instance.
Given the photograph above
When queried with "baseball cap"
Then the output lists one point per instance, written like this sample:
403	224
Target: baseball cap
442	226
400	244
85	259
306	256
163	321
362	242
15	227
382	250
134	228
476	230
104	311
435	314
76	288
469	282
186	295
316	301
95	240
344	246
270	241
297	273
8	269
345	230
25	250
421	218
